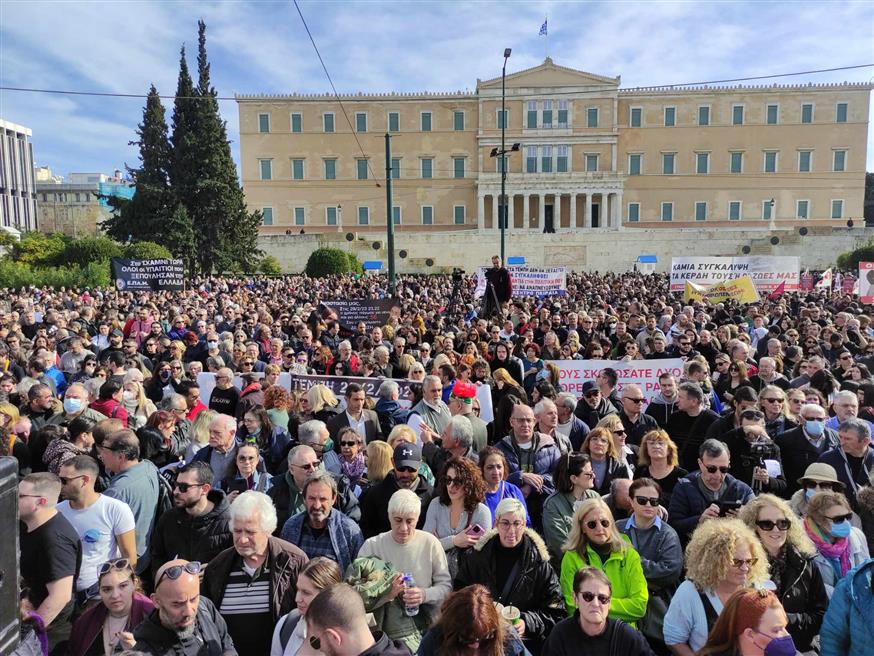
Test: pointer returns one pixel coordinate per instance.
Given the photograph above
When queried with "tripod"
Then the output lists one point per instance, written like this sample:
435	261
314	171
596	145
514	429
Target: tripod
491	307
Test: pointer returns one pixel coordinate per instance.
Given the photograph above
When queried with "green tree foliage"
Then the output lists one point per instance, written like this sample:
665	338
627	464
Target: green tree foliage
147	250
269	266
850	260
38	248
98	248
329	261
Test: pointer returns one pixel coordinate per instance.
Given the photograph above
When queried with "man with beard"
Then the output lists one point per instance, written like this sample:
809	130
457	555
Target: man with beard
499	287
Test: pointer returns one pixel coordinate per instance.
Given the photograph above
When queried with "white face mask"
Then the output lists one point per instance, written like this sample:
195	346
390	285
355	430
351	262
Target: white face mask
129	396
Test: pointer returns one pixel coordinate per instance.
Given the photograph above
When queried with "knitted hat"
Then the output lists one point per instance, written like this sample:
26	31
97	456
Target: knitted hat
751	605
464	392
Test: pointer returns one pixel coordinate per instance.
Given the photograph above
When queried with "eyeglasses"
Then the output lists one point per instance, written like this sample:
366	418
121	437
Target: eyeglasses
712	469
309	466
721	364
593	523
640	400
620	431
653	501
184	487
176	368
175	572
775	399
248	364
841	518
769	525
589	597
64	480
349	444
247	458
452	481
818	485
120	564
504	524
739	563
468	642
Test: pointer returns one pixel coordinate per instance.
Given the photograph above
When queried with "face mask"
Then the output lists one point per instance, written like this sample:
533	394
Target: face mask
783	646
212	345
808	493
329	445
72	405
129	396
814	428
164	375
840	529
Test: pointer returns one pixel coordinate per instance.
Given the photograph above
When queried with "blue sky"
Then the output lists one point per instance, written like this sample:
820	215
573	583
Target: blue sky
261	47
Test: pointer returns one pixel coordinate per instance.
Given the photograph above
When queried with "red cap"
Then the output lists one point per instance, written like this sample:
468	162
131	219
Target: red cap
464	391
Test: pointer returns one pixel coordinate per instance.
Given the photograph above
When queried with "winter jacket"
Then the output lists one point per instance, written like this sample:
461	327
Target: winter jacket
374	504
578	433
661	409
797	453
285	562
858	555
847	629
592	415
385	646
179	535
110	408
803	595
865	500
687	502
89	626
536	591
662	559
346	538
615	469
630	594
568	638
546	454
836	458
390	414
558	512
288	500
636	431
211	637
275	454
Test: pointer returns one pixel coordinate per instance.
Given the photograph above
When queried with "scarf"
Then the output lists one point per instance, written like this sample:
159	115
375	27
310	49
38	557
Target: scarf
838	553
355	469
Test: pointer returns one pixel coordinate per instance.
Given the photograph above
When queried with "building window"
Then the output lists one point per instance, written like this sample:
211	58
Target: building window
668	161
427	215
267	216
633	212
330	169
501	119
297	169
546	159
670	117
702	163
591	163
361	121
802	209
837	209
331	216
704	115
263	123
767	209
395	168
531	160
394	122
396	215
562	113
561	159
296	123
458	121
427	168
701	210
44	196
734	210
737	163
841	112
839	161
78	198
547	113
804	160
361	168
635	164
266	169
807	113
458	214
737	115
635	117
667	211
770	161
426	121
458	167
363	216
772	112
592	117
328	122
299	217
532	114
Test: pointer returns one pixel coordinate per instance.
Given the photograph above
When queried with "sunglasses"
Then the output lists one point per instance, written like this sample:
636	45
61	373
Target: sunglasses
653	501
452	481
775	399
467	642
621	431
768	524
119	564
738	563
589	597
712	469
640	400
184	487
592	523
350	444
837	519
821	486
407	470
173	573
64	480
310	466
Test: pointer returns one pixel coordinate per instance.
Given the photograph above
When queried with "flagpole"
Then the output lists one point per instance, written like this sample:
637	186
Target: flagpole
546	43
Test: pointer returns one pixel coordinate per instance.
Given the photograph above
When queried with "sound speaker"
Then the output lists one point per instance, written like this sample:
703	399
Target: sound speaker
849	223
9	556
802	231
350	236
745	250
775	241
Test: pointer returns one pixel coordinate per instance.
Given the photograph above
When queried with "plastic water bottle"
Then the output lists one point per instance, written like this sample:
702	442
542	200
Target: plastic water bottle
409	582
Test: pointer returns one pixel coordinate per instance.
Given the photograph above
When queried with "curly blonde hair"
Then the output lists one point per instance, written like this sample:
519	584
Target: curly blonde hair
795	537
711	550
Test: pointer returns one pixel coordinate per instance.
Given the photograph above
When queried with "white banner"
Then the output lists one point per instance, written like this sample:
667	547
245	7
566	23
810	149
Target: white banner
644	373
766	271
866	282
529	281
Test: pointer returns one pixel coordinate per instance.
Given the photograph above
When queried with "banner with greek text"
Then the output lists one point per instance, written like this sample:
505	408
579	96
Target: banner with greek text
766	271
349	312
529	281
645	373
148	275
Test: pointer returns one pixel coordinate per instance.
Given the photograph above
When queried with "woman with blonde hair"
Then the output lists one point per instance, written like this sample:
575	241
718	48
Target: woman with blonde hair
791	556
659	460
320	403
594	541
778	415
627	455
502	384
416	372
138	406
606	459
378	455
722	557
199	433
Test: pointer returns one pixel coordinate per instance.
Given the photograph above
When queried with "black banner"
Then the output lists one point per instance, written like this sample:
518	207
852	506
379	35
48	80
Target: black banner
373	312
338	384
148	275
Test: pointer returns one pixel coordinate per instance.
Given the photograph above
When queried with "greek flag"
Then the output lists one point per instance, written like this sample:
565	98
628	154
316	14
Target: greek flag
542	29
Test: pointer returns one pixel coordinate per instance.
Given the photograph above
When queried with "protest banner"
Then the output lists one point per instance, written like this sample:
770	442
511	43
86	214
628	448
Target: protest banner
529	281
349	312
147	275
866	282
766	271
645	373
807	281
741	290
848	284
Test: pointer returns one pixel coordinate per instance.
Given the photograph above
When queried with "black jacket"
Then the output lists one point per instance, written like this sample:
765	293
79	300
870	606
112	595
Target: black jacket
179	535
374	504
210	637
593	415
803	595
635	432
385	646
288	501
798	453
536	591
621	639
743	461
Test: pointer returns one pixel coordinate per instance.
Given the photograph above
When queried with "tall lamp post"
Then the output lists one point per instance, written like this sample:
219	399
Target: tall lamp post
502	202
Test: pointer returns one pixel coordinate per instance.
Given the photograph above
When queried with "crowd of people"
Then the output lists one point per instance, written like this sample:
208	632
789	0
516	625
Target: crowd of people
730	511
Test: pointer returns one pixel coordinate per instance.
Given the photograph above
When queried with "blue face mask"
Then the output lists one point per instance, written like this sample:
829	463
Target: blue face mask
814	428
212	345
783	646
809	492
840	529
72	405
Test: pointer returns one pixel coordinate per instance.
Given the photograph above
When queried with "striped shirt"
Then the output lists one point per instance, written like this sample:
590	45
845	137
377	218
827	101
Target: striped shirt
246	609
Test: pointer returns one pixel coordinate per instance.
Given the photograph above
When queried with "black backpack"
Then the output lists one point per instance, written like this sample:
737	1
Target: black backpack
166	480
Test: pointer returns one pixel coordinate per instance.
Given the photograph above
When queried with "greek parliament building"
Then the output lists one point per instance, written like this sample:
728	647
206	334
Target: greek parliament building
591	156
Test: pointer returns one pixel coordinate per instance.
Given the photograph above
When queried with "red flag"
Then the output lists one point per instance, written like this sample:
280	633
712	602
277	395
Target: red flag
777	293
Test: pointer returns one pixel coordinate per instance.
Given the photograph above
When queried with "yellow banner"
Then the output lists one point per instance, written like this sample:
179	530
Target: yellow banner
742	290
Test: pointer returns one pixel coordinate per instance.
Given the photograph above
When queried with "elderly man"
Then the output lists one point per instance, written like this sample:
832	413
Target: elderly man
456	441
183	622
804	445
546	413
434	413
364	421
225	395
636	423
854	459
846	406
569	425
708	493
388	409
689	423
320	530
253	583
314	434
221	452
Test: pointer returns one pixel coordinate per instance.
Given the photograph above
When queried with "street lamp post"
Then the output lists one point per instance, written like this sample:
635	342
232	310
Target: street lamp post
502	202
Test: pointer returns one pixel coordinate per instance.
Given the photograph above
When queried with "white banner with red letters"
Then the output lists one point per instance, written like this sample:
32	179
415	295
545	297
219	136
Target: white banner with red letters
644	373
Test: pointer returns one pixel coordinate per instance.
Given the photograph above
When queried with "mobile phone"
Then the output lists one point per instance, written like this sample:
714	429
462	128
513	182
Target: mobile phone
725	506
237	485
475	531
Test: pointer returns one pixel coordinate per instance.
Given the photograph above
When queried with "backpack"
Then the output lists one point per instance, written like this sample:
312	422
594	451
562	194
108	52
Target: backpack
388	420
166	479
288	627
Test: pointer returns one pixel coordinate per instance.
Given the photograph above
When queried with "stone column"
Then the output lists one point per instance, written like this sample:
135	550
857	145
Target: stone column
495	212
556	213
620	209
588	216
481	212
607	210
573	203
541	214
510	207
526	211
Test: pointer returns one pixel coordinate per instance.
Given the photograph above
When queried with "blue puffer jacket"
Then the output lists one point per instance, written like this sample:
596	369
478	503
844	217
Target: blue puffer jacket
687	502
848	625
546	454
346	538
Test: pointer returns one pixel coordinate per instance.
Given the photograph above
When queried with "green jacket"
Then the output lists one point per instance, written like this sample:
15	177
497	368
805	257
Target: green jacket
630	594
558	513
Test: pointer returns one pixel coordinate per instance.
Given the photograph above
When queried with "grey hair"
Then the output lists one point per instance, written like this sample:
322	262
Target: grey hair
810	406
308	432
511	506
404	503
321	476
845	394
251	503
712	448
169	400
432	379
461	430
381	350
858	426
542	405
345	343
693	391
568	400
768	360
388	389
226	421
298	449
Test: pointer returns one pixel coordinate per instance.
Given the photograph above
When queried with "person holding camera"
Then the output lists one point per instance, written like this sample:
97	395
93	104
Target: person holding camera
750	446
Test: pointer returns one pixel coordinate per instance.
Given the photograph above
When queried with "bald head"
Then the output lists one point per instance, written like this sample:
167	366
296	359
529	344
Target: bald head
177	599
632	400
